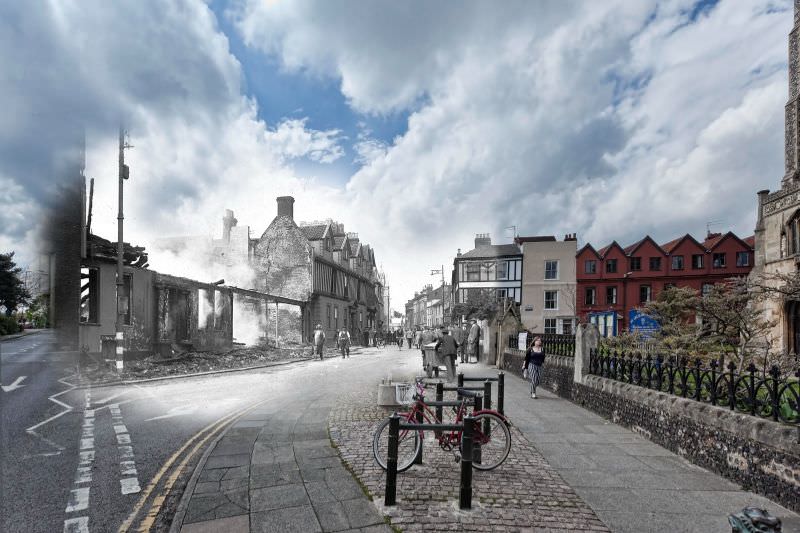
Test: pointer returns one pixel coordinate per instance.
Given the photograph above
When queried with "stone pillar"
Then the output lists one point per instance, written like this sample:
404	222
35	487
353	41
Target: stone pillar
587	337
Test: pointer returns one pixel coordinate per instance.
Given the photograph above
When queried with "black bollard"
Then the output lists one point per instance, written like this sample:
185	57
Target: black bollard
391	461
501	391
420	435
460	379
439	414
487	394
465	494
476	447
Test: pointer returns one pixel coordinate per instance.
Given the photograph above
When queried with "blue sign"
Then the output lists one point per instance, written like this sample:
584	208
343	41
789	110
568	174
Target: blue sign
642	323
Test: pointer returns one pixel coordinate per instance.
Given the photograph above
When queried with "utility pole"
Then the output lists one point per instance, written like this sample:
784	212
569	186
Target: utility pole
435	271
120	335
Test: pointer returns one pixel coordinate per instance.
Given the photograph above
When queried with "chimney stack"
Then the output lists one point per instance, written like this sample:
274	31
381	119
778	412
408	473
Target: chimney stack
459	253
482	239
228	221
286	207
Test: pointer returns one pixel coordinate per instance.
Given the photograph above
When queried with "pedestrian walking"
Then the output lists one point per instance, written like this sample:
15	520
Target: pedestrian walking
343	341
534	359
319	340
399	338
473	339
448	347
418	338
409	337
460	336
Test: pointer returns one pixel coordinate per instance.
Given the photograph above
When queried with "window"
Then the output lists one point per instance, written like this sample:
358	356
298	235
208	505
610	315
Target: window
549	325
611	266
645	293
566	326
329	316
502	270
473	272
89	296
706	288
361	318
655	263
501	293
718	261
677	262
611	295
590	266
551	300
742	259
589	296
551	270
697	261
636	263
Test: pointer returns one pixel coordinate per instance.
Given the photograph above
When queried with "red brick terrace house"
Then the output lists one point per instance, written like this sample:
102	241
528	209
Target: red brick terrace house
616	280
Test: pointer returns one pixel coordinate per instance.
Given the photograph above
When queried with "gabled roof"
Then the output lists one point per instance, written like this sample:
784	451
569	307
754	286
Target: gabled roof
674	243
635	246
492	250
338	241
717	239
587	246
315	232
750	241
602	252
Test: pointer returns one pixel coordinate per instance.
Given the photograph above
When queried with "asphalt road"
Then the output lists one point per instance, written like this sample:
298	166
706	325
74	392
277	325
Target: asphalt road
103	459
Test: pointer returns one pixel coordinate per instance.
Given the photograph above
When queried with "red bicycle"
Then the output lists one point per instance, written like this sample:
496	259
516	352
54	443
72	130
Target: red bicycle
491	437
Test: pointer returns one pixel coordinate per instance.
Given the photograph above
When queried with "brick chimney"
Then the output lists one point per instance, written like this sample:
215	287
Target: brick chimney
482	239
228	221
286	206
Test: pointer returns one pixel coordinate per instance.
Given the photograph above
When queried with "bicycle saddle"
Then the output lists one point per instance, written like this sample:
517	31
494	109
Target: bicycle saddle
468	393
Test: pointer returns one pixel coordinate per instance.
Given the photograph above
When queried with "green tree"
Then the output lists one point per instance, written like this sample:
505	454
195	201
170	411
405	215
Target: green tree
675	309
480	304
12	291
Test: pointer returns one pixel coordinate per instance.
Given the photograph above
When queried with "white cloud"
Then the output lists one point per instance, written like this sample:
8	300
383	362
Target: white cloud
609	119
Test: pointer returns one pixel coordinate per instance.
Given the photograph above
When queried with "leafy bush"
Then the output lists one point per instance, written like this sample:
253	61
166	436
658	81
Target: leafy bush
8	325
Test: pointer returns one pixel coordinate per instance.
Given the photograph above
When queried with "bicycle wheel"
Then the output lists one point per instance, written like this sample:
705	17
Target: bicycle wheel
408	446
491	441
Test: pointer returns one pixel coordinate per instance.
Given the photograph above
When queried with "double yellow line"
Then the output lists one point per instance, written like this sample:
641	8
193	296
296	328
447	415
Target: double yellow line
155	505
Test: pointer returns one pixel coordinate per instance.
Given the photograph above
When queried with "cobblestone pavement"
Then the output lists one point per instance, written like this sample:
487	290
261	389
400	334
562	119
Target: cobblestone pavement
523	494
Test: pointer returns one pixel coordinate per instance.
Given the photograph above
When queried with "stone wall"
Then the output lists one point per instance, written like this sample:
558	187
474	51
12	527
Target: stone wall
557	375
761	455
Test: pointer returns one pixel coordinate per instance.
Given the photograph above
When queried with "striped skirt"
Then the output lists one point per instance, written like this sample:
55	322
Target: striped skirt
534	375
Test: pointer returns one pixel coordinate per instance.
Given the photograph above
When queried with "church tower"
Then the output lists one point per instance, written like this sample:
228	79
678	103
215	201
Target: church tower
792	113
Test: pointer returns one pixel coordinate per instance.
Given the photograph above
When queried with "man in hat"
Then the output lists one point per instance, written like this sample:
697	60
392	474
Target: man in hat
448	346
460	337
472	341
319	340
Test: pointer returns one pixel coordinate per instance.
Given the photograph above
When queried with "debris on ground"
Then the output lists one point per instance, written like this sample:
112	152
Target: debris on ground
195	362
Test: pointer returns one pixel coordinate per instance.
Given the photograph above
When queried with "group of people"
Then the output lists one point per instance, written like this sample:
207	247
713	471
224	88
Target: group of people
342	341
456	341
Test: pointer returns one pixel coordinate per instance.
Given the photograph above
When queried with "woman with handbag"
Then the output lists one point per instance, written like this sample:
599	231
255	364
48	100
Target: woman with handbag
534	359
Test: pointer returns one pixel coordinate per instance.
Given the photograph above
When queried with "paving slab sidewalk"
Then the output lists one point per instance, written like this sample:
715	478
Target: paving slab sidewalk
274	470
632	484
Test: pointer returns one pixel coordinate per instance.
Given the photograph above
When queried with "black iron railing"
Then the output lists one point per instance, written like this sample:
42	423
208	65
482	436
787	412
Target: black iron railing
554	344
766	395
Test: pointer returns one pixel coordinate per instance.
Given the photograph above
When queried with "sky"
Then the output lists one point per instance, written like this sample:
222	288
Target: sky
416	124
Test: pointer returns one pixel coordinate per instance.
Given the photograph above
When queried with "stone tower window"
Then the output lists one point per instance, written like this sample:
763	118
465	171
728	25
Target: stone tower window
793	233
783	244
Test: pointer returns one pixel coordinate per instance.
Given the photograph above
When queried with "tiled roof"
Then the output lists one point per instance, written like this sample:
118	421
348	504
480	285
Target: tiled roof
314	232
492	250
669	246
751	241
709	243
602	251
633	246
338	240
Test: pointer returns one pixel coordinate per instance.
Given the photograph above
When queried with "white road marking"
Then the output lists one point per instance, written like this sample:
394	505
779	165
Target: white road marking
125	452
87	458
83	475
120	428
78	500
67	409
123	438
106	400
77	525
128	468
176	411
87	444
129	485
15	385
